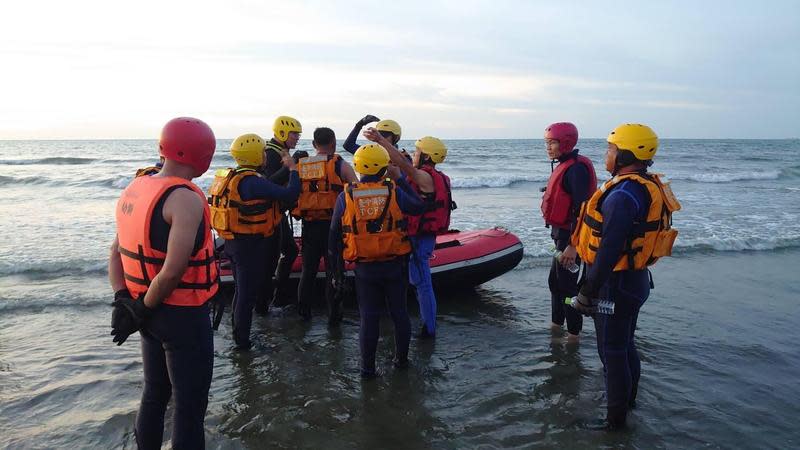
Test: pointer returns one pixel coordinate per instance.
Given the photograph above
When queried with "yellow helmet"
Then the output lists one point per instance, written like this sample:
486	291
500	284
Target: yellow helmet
370	159
636	138
284	125
432	147
248	150
389	125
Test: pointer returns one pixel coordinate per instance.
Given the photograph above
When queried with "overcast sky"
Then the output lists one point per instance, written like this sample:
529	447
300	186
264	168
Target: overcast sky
454	69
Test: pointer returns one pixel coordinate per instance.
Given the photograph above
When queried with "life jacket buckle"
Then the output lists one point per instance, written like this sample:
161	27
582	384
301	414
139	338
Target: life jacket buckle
374	226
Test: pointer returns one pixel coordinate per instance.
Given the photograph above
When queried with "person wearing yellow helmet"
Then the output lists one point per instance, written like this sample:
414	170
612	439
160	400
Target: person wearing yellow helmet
624	227
322	178
387	127
368	227
150	170
245	211
286	133
433	186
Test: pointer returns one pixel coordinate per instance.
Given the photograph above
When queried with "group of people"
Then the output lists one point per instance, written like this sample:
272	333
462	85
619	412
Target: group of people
383	213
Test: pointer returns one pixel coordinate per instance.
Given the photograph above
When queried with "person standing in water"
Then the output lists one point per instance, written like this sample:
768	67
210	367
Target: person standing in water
368	227
624	228
246	212
322	178
286	133
571	183
163	272
433	186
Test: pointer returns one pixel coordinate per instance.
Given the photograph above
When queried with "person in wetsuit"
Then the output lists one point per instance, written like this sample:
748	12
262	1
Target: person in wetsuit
280	257
322	178
246	212
387	128
368	227
163	271
571	183
623	228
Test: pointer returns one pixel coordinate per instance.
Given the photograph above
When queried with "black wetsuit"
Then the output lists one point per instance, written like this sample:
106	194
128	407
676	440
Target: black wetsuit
624	205
178	359
561	281
315	246
283	250
380	285
246	255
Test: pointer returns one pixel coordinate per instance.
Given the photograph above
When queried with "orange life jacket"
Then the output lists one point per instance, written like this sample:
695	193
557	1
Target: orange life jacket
373	227
439	203
649	240
557	202
320	187
231	216
141	262
152	170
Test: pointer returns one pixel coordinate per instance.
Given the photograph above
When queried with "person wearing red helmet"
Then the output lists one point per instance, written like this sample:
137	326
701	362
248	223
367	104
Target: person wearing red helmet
571	183
163	273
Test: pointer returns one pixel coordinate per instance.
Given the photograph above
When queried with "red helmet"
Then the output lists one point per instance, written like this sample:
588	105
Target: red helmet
565	133
188	141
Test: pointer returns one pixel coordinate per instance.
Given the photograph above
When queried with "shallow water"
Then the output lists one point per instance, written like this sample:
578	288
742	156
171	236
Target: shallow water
717	344
717	336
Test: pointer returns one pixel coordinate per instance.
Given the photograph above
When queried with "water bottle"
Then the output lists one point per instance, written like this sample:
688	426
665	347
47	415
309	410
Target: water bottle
603	306
574	268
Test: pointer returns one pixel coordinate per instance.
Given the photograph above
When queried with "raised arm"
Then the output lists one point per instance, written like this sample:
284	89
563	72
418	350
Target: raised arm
419	177
350	143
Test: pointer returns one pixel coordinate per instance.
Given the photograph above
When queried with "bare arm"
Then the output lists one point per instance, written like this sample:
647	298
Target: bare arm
420	177
115	273
183	210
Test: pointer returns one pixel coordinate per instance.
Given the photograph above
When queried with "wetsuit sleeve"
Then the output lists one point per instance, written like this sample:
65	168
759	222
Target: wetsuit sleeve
350	143
274	164
407	199
252	188
576	182
620	209
281	176
335	231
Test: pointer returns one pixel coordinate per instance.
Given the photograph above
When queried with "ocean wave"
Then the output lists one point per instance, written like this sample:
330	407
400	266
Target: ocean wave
493	181
722	177
114	181
538	255
727	177
56	160
6	180
52	269
744	244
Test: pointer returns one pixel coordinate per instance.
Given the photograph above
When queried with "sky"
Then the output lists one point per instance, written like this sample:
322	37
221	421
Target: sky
453	69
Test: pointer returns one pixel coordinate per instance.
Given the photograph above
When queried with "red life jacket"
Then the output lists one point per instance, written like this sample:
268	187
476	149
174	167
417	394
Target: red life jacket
557	202
436	219
141	262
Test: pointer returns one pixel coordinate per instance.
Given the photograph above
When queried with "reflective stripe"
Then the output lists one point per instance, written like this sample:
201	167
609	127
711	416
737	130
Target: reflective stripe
375	192
315	158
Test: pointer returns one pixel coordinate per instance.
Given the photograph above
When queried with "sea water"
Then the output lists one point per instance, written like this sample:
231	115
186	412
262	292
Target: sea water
717	337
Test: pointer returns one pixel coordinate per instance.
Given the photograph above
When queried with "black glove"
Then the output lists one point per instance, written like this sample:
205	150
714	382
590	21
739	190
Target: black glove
585	305
128	316
298	155
369	118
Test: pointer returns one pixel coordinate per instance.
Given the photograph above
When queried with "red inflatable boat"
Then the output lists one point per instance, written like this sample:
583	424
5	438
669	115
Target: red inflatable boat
460	258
